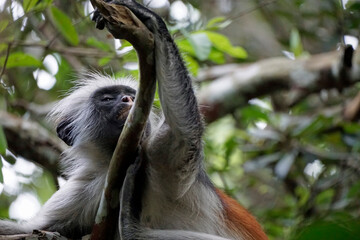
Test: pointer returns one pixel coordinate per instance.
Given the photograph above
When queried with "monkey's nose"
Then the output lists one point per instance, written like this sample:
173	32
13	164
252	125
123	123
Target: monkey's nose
127	99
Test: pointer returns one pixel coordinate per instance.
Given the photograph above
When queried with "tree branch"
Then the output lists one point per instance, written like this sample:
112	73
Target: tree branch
66	50
32	141
125	25
6	59
36	235
233	86
232	90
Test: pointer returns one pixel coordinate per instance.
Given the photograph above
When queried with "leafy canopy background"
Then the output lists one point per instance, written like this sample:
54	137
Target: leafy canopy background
294	166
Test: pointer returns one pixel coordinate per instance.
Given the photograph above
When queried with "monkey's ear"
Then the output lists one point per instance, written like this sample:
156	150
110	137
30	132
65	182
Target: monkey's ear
64	130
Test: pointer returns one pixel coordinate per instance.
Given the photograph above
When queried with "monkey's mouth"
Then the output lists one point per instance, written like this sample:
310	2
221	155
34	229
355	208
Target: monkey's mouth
124	112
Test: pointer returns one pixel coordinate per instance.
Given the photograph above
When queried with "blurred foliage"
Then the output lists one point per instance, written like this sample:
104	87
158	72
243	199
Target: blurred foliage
296	168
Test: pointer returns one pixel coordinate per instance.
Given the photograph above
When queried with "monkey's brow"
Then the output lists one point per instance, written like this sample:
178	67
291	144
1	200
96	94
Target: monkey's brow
118	89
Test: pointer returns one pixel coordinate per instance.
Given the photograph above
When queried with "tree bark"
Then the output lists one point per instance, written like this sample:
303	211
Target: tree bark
231	90
125	25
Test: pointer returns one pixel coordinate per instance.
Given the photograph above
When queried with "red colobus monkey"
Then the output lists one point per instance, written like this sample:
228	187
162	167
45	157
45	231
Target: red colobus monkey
177	200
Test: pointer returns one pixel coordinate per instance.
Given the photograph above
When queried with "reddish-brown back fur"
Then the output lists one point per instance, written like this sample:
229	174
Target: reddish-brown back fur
238	219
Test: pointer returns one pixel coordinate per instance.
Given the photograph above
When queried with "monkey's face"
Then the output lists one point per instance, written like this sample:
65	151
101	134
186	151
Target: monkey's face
101	119
112	105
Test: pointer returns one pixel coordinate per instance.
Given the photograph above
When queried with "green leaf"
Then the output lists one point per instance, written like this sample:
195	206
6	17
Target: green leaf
192	64
303	195
295	42
353	6
43	4
19	59
350	127
105	60
64	25
311	128
3	142
1	174
98	44
3	103
130	56
125	43
10	158
215	21
253	113
354	191
29	4
185	46
62	76
3	24
217	56
218	23
201	44
45	187
3	47
231	144
325	197
223	44
321	230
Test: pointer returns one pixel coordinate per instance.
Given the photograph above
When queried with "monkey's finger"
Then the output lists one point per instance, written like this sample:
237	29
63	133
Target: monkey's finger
96	15
100	24
99	20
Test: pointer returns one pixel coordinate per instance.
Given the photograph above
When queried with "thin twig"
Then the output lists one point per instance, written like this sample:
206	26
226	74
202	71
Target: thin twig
251	9
6	60
66	50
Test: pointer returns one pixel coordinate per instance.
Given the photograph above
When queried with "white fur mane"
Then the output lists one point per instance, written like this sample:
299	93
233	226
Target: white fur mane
78	96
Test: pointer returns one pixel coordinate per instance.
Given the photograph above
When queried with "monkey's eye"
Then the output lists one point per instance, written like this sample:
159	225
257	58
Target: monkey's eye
107	97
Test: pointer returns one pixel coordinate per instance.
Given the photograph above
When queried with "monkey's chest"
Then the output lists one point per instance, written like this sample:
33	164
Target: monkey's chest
172	216
187	213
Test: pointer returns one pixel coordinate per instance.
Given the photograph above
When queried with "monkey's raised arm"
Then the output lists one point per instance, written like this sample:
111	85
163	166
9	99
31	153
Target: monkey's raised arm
175	199
177	143
176	94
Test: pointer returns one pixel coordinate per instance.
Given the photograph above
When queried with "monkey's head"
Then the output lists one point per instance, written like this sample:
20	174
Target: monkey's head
95	111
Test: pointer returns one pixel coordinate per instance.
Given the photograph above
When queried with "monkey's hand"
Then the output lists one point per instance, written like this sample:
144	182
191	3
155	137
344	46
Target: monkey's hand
122	23
150	19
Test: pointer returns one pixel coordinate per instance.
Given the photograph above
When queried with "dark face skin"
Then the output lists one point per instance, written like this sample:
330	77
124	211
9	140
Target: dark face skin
113	105
113	102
